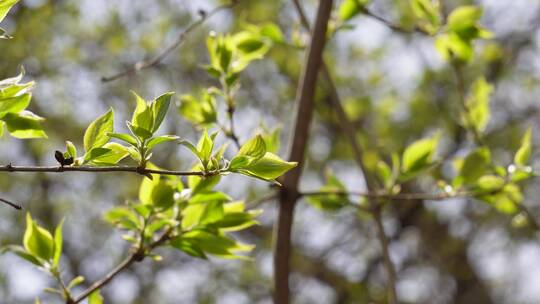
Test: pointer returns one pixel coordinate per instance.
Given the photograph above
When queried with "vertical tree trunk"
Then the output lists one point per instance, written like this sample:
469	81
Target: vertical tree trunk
304	114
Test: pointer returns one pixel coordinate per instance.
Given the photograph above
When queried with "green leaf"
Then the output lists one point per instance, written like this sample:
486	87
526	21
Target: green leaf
71	149
201	112
14	104
191	147
418	156
142	118
478	104
463	18
255	148
205	147
272	139
160	139
524	152
350	8
22	253
505	201
200	184
95	135
95	298
428	14
124	137
38	241
139	132
490	182
57	244
75	282
330	202
188	247
5	6
24	124
272	31
452	46
216	244
95	153
123	218
163	195
475	165
113	153
269	167
160	106
196	214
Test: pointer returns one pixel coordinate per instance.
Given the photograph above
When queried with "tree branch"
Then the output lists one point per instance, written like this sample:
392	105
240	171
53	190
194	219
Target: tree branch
145	64
304	113
350	132
402	196
393	26
136	256
139	170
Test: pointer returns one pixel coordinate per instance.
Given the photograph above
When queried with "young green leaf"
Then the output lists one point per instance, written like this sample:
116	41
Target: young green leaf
37	241
95	298
24	124
160	106
350	8
124	137
5	6
418	156
268	168
478	105
160	139
143	117
22	253
428	14
205	147
95	153
330	201
96	133
201	111
57	244
524	152
109	154
255	148
75	282
71	149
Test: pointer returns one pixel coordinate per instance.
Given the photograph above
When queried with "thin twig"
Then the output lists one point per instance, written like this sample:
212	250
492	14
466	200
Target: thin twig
393	26
132	258
145	64
139	170
5	201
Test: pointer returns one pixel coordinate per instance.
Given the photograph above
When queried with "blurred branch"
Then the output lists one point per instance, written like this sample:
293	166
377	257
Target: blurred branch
350	133
402	196
5	201
304	113
136	256
393	26
145	64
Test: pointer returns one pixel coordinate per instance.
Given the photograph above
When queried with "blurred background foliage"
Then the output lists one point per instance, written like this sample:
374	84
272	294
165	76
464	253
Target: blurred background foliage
394	85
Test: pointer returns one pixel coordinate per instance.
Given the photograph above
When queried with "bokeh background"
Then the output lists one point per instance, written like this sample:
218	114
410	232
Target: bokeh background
395	86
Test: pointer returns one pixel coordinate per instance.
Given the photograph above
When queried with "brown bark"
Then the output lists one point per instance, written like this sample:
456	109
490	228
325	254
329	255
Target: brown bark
289	192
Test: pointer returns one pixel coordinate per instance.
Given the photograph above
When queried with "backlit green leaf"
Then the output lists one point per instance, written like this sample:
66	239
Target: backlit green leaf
96	133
